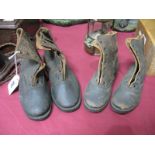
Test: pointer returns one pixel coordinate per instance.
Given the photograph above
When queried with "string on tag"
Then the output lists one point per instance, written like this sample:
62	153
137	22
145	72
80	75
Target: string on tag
15	60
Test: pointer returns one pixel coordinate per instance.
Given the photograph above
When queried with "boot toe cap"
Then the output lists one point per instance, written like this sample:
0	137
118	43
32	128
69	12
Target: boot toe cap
124	102
65	97
36	104
96	99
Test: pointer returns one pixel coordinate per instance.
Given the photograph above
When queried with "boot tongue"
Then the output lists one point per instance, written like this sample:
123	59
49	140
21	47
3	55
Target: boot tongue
44	41
104	40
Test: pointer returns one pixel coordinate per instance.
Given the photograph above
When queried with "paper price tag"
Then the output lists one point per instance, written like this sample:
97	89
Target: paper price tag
13	84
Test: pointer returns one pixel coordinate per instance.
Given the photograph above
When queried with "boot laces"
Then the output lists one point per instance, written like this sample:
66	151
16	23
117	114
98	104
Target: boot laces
99	79
45	42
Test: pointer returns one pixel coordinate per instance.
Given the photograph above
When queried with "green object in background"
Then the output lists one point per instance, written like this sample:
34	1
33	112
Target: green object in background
65	22
125	25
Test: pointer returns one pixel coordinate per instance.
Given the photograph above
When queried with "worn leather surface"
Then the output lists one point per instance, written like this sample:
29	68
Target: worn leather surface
33	87
65	88
127	96
98	90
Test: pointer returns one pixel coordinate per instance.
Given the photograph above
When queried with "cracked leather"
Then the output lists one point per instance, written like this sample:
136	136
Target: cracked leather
33	87
98	91
127	96
65	89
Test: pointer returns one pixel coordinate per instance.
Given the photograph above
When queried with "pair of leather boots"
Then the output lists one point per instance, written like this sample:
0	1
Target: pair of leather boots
35	95
98	91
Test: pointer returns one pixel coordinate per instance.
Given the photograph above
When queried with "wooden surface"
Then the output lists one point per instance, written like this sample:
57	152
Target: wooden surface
147	27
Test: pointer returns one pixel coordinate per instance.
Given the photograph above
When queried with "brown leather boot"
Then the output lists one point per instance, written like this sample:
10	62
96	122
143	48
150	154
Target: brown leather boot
7	67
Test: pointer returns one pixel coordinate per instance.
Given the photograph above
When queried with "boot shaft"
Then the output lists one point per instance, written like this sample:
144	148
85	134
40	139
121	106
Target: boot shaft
108	57
26	47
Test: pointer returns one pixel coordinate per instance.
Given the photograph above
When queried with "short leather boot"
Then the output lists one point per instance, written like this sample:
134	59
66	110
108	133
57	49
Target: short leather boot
65	89
98	91
33	87
6	66
127	96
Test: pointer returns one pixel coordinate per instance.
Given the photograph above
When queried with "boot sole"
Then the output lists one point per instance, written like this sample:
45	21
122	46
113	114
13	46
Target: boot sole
92	109
42	117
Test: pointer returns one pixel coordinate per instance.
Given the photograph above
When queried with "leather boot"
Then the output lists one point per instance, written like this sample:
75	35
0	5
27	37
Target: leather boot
92	35
6	66
65	89
33	87
127	96
98	91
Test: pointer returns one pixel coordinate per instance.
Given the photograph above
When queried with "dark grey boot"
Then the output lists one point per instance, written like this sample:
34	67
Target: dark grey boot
33	87
65	89
127	96
98	91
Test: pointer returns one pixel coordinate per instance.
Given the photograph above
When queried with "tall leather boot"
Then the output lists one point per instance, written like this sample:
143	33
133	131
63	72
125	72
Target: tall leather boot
127	96
65	89
33	87
6	66
98	91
